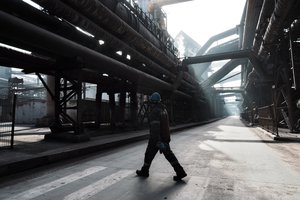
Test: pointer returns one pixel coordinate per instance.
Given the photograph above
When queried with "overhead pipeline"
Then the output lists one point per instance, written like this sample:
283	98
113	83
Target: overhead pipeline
275	27
23	32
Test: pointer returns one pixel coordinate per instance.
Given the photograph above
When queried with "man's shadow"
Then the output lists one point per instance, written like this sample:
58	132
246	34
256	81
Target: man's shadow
166	188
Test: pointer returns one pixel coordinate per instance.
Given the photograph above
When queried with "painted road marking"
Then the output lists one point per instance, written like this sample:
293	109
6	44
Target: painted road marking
93	189
42	189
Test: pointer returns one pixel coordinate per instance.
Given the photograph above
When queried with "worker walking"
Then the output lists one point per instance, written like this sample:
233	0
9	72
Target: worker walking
159	139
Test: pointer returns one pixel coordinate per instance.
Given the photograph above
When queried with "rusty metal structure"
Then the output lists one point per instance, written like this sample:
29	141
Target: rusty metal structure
125	50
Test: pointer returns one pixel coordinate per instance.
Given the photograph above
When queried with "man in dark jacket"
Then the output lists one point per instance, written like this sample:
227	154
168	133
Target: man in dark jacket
159	139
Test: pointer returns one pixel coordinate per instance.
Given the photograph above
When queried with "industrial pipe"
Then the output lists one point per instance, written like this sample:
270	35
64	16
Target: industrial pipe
252	13
62	10
167	2
115	24
24	32
265	13
282	10
241	26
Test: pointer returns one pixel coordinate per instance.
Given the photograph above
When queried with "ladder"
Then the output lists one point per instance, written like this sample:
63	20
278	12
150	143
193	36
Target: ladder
295	63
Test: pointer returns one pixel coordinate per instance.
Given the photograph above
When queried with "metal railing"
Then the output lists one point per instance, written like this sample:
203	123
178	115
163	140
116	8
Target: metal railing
148	21
7	121
267	119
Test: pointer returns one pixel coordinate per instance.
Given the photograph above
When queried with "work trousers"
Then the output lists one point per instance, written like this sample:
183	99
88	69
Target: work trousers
152	150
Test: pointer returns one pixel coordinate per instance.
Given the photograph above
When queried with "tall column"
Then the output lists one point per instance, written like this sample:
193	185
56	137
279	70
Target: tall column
98	105
133	108
122	106
112	105
79	107
50	102
57	100
291	109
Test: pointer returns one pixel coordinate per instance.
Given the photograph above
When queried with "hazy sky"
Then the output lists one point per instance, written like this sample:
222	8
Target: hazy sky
201	19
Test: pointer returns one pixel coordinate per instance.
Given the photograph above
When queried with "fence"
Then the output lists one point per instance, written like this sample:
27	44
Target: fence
267	119
7	122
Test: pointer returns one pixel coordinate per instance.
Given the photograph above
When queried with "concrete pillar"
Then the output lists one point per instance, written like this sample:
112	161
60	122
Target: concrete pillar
133	108
50	102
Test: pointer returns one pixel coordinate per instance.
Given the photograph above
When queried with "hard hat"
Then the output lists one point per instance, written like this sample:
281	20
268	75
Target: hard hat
155	97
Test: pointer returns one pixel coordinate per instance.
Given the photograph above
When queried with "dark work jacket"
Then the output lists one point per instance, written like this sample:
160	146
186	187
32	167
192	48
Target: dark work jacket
159	123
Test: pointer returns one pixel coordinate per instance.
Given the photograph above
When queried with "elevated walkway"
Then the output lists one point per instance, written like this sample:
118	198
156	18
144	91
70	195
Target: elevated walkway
229	89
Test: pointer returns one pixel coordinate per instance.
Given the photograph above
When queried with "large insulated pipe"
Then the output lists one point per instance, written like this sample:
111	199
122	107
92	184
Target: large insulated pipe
282	10
252	14
242	26
131	36
111	22
29	34
62	10
99	13
265	13
251	33
42	19
241	37
167	2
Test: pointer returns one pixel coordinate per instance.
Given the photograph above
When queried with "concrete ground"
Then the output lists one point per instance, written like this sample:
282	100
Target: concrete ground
224	160
32	150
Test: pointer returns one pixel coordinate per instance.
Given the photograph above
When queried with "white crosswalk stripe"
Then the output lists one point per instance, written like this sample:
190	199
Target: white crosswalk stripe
42	189
98	186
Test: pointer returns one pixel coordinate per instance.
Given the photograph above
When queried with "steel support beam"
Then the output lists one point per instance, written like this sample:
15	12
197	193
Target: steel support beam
228	67
216	57
229	55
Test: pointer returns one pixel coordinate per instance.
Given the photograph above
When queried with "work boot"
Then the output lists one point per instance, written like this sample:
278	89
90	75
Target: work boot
180	173
144	172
